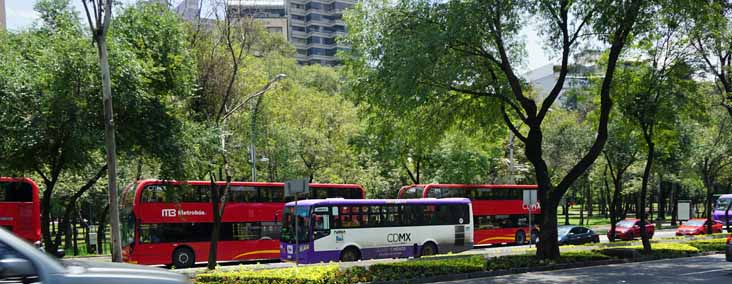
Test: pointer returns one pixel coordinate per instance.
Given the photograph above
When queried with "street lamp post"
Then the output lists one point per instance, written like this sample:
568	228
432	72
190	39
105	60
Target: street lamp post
255	107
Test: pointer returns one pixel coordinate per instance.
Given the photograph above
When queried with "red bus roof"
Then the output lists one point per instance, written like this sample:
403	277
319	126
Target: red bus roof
426	187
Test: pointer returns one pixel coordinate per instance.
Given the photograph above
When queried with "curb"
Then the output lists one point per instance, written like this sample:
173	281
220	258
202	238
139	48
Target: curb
521	270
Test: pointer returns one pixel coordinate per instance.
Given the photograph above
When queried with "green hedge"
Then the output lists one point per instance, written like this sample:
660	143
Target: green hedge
327	274
519	261
424	268
659	250
709	245
428	267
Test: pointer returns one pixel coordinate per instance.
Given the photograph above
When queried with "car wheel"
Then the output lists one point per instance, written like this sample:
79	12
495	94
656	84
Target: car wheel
428	249
183	257
520	237
350	254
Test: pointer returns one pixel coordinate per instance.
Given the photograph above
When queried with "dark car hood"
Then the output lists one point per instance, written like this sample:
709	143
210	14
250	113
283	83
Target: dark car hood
121	273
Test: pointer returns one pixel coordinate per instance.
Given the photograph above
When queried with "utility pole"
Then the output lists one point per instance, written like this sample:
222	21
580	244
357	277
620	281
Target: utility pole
99	25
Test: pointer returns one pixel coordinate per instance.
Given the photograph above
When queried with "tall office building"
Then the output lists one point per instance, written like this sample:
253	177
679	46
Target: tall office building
2	15
271	14
314	27
188	9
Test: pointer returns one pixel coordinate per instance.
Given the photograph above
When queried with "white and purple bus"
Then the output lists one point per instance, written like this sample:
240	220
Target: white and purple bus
720	207
350	230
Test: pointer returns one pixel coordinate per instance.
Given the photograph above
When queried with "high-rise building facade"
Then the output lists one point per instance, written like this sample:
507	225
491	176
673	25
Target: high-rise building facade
314	27
2	15
271	14
311	26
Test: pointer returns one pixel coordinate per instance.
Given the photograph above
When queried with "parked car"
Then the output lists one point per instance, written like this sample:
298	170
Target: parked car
576	235
698	227
21	262
629	229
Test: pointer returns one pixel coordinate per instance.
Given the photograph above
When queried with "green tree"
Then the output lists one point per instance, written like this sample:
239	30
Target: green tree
417	52
620	153
224	52
50	118
710	34
654	91
711	157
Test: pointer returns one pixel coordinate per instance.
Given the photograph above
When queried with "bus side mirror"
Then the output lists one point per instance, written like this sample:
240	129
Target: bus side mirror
275	217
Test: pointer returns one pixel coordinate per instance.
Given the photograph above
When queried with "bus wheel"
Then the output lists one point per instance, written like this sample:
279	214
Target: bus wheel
183	257
350	254
520	237
428	249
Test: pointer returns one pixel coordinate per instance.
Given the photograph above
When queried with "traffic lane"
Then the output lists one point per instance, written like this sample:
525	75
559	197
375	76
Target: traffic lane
702	269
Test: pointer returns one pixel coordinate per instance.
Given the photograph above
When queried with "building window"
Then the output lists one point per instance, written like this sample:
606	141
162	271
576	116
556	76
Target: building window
274	30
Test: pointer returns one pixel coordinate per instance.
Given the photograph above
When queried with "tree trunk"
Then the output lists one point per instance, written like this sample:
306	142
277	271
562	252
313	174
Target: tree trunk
644	189
582	215
588	199
75	232
567	205
674	203
68	234
709	184
216	228
616	202
46	217
662	195
101	230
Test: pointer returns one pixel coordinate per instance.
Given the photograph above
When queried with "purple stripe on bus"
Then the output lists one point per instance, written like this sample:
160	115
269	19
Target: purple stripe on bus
308	256
313	202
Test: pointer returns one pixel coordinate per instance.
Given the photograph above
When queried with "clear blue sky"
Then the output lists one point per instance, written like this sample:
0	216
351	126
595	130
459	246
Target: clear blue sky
20	15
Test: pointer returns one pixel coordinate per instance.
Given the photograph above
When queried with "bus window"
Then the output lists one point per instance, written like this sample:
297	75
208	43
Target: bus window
16	192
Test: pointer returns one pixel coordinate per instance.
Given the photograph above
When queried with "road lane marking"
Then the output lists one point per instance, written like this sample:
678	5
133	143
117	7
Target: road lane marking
702	272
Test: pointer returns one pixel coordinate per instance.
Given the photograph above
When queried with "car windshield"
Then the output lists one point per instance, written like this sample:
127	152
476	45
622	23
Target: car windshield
695	223
288	224
722	203
625	223
563	230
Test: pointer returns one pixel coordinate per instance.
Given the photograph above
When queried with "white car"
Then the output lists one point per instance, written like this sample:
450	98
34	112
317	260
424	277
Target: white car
24	263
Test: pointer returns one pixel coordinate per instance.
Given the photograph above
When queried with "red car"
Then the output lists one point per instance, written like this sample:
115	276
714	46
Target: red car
629	229
698	227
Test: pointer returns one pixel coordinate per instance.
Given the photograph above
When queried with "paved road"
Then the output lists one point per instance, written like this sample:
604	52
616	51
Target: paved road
703	269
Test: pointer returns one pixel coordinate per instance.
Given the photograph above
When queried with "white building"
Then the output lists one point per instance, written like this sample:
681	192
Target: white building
583	67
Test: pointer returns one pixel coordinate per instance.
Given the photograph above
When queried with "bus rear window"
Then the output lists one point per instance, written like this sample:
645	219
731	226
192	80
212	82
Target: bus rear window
16	192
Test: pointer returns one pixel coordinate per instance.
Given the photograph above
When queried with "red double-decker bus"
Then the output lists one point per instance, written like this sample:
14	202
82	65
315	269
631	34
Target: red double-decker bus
170	222
498	210
20	209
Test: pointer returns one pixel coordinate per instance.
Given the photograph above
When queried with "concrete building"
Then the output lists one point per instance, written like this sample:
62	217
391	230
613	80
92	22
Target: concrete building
271	14
314	27
188	9
3	25
311	26
581	69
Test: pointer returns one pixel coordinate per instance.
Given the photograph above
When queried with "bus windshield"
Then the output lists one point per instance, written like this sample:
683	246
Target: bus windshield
722	203
302	214
126	216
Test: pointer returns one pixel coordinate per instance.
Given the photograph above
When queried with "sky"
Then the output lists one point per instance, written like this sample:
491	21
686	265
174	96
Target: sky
20	15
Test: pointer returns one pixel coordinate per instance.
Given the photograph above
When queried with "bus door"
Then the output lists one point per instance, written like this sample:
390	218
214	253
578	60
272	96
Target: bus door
460	236
321	222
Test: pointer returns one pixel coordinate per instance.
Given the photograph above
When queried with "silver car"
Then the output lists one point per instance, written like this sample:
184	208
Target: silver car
22	262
